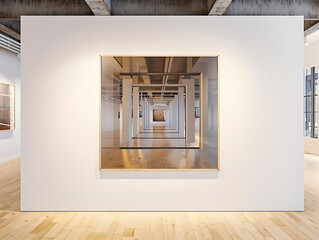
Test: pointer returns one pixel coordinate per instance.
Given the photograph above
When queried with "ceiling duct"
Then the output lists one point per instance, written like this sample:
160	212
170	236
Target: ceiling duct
10	44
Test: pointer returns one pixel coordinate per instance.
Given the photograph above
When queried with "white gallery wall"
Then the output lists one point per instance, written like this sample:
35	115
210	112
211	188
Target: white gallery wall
261	136
10	74
311	145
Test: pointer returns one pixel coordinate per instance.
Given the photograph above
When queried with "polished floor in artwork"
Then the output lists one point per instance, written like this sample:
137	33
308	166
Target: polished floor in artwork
157	150
156	142
158	159
17	225
160	137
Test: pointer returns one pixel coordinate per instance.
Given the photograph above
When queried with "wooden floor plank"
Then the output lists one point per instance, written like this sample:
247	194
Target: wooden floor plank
157	225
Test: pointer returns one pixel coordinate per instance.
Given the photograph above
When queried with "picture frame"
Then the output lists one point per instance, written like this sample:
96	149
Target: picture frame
7	107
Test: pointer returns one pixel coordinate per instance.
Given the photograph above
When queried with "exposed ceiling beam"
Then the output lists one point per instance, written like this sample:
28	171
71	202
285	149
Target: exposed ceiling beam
311	30
307	8
220	7
14	25
159	7
309	23
9	32
99	7
143	69
167	69
10	9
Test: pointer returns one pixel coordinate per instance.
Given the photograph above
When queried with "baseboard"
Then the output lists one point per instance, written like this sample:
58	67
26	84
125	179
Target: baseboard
9	158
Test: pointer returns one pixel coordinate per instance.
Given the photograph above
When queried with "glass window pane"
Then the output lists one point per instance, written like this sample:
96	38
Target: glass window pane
305	104
308	104
308	122
311	102
307	80
307	128
308	86
316	81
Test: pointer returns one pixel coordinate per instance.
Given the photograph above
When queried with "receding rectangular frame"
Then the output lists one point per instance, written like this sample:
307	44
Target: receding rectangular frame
14	107
201	104
172	85
156	86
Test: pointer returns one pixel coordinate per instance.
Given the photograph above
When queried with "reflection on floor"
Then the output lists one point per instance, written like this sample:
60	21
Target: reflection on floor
158	147
158	129
159	143
159	135
112	157
158	158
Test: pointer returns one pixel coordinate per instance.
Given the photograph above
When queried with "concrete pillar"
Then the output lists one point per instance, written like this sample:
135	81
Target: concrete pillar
127	111
205	109
190	110
150	114
147	114
181	112
143	113
176	112
136	122
190	104
136	109
170	112
126	104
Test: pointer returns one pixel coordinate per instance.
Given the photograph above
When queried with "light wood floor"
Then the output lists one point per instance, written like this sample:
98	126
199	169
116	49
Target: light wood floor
112	157
157	225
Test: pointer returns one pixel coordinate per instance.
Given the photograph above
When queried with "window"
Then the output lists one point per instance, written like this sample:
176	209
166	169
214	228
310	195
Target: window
311	102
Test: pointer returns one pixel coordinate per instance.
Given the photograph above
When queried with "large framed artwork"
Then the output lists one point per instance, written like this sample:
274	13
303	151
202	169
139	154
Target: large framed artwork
7	108
159	112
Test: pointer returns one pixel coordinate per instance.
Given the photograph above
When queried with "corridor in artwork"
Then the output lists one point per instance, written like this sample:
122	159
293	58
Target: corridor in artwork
159	113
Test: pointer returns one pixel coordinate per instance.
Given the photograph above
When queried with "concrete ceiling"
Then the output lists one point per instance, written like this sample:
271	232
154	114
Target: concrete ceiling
158	65
12	10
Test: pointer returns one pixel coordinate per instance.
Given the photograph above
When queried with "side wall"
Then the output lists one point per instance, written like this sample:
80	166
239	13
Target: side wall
261	137
311	145
10	73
